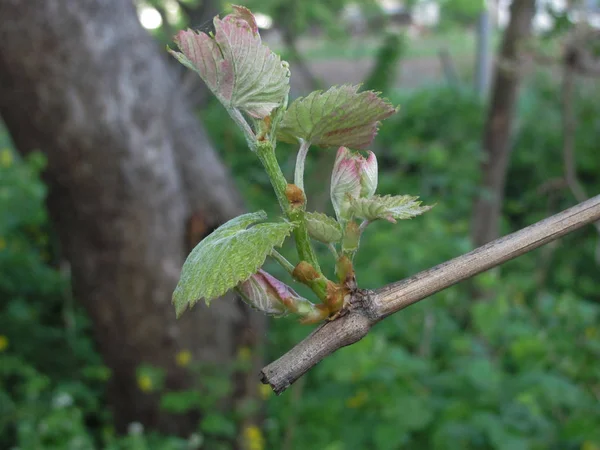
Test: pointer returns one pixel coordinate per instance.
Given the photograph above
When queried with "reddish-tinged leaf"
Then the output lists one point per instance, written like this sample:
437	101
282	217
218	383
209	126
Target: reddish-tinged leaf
243	13
340	116
353	176
240	71
267	294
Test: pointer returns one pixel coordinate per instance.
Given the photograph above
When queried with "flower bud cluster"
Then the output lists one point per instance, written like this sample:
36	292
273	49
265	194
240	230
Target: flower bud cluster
353	176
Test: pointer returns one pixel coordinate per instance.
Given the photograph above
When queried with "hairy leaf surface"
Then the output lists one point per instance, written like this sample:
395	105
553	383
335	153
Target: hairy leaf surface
388	207
239	70
338	117
323	228
229	255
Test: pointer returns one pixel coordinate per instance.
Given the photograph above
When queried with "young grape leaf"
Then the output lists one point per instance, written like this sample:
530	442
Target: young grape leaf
338	117
239	70
230	254
388	207
323	228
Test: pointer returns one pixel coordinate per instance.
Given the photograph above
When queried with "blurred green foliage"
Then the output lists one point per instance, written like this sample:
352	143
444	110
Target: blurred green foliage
460	12
51	377
384	72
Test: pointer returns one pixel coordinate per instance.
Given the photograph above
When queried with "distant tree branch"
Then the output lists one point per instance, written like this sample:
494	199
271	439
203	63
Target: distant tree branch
367	307
499	123
569	125
581	56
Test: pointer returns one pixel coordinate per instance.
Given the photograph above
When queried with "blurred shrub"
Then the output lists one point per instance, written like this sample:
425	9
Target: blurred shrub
384	72
52	380
460	12
49	371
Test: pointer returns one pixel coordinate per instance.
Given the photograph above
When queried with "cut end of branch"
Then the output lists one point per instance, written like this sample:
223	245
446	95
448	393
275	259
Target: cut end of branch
322	342
264	379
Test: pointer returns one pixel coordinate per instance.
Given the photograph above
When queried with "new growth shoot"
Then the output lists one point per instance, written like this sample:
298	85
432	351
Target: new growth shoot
252	83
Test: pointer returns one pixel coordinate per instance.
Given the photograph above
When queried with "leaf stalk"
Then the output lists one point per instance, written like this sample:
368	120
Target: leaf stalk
300	160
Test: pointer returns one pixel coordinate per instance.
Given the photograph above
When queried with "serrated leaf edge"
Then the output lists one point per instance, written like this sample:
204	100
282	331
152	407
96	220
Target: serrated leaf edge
237	224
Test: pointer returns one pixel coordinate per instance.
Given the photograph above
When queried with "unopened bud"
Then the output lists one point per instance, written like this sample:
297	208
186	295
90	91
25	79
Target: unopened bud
267	294
295	196
351	239
344	269
307	274
304	272
335	296
353	176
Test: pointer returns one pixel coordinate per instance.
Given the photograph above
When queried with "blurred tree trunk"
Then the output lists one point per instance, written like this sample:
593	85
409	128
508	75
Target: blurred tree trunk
286	18
133	185
483	57
499	124
201	13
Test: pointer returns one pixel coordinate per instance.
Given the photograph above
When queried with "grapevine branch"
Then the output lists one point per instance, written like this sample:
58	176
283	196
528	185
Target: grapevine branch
255	93
369	307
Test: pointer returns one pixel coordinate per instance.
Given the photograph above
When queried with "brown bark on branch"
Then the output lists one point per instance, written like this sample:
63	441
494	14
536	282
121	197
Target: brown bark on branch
369	307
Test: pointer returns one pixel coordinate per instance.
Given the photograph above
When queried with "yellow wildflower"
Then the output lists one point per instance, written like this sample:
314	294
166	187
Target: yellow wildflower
591	332
265	391
183	358
6	158
2	243
589	445
253	438
358	400
519	298
144	382
244	354
3	343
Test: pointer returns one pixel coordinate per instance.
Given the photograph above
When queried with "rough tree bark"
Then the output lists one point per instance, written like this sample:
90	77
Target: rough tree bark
499	124
134	184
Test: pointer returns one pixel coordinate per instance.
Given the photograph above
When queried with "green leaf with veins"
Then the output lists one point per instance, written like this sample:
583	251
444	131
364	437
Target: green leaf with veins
338	117
387	207
229	255
323	228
